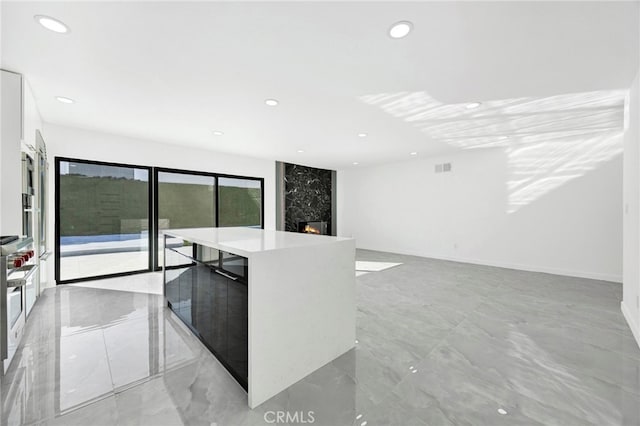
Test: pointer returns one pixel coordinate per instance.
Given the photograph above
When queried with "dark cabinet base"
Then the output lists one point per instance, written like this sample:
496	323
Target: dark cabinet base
215	307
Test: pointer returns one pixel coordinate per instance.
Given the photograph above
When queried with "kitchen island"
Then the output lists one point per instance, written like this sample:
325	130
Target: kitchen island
272	306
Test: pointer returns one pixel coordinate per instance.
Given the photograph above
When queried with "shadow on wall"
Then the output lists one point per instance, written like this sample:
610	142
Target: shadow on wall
539	168
549	141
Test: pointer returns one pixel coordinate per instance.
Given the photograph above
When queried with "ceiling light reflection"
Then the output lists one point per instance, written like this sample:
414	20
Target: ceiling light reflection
52	24
400	29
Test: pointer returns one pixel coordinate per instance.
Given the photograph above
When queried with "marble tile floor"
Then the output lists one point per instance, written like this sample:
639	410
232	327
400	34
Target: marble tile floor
439	343
371	266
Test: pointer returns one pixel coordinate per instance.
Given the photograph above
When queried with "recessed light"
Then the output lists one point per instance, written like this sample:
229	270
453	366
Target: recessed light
271	102
502	411
51	24
355	163
473	105
362	135
218	133
413	153
503	138
64	100
300	151
400	29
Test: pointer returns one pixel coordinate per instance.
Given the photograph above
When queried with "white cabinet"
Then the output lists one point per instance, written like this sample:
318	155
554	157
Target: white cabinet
10	160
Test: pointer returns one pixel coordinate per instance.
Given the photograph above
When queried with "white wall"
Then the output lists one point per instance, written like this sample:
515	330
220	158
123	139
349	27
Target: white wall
551	207
631	280
10	162
90	145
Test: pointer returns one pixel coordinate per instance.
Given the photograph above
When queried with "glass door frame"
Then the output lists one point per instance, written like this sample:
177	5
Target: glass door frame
216	176
153	243
151	225
156	206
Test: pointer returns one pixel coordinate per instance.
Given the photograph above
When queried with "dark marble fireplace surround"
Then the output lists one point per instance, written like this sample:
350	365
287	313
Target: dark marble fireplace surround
307	196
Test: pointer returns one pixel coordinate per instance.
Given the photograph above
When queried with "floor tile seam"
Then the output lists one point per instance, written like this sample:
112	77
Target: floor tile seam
137	318
35	343
433	400
369	390
99	289
124	291
119	390
428	354
106	355
72	410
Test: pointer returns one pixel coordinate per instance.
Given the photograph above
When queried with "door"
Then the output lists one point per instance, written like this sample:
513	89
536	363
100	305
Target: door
237	327
102	219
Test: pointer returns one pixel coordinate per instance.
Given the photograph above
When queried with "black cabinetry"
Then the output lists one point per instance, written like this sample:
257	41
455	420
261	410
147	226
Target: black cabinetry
213	301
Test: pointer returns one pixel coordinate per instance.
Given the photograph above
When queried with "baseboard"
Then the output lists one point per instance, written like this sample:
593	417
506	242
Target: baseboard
555	271
546	270
633	325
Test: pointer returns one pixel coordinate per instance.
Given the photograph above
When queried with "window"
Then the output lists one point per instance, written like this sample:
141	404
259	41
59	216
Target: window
102	221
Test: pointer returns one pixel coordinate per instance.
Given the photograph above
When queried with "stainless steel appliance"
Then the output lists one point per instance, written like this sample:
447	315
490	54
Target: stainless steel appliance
41	194
18	268
28	192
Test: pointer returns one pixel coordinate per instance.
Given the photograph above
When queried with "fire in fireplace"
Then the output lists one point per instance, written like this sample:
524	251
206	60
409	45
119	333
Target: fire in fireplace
313	227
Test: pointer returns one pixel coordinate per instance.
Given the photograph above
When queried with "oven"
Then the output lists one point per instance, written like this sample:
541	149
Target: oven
18	269
28	192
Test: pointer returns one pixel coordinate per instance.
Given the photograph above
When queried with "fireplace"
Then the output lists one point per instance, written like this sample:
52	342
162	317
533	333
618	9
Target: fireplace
317	227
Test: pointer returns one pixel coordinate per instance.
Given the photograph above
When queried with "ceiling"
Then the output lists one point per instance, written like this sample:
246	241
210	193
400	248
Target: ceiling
175	72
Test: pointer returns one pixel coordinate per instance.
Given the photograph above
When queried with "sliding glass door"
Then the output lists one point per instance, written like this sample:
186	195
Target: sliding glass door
103	213
184	200
109	217
240	202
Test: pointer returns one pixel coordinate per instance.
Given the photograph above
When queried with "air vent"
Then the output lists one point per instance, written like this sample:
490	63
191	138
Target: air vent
443	168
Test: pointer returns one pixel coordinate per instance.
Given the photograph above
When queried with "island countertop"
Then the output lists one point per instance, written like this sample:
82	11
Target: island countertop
248	241
295	314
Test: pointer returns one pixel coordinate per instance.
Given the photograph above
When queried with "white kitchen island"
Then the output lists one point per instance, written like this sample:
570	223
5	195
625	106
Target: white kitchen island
300	300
